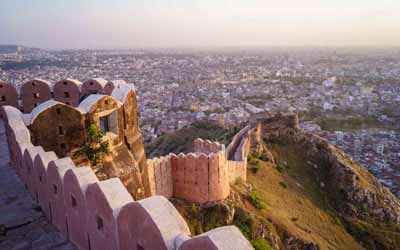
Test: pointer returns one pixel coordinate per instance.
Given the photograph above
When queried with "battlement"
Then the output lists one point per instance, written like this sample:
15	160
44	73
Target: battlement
204	175
60	124
271	121
68	91
102	215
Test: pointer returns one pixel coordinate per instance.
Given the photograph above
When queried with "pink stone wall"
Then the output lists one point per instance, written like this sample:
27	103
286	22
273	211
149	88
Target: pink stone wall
67	91
92	86
39	176
202	176
104	202
33	93
202	190
74	200
76	181
160	170
29	157
20	163
207	147
145	225
55	177
223	238
108	88
8	95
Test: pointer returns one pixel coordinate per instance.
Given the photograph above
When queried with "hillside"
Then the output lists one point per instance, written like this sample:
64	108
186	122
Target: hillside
301	193
182	140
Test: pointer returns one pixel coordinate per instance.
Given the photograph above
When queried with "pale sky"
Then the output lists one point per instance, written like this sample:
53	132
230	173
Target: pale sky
199	23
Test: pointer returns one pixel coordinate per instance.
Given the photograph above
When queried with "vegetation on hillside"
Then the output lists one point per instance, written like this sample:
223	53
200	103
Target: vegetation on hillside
182	140
282	205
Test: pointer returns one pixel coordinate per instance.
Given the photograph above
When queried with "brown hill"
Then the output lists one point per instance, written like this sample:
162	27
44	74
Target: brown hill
301	193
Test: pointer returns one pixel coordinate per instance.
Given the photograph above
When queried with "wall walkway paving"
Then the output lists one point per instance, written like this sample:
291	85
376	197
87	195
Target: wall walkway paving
23	225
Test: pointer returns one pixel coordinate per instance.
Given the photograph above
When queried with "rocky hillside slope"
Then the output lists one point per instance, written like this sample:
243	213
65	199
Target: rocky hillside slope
369	211
301	193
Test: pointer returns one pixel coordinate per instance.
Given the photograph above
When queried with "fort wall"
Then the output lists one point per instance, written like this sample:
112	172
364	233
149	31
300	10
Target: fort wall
97	214
61	127
204	175
67	91
8	94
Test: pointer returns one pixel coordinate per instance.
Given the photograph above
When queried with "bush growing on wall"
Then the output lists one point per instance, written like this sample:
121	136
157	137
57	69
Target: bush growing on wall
94	147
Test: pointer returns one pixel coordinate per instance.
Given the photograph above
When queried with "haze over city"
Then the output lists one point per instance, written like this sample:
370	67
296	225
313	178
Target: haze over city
77	24
199	124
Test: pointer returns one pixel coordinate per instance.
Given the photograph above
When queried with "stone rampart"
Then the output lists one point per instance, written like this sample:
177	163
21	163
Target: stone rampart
67	91
98	215
204	175
274	121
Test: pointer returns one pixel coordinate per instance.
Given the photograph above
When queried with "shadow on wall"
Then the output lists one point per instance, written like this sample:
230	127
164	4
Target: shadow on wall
101	215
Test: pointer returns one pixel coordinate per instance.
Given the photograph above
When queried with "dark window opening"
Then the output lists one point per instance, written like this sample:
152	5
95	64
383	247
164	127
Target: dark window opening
106	102
65	83
91	83
3	98
139	247
1	85
55	189
60	130
73	201
109	123
99	222
58	111
68	103
35	105
63	146
33	84
104	126
29	171
66	94
40	178
36	95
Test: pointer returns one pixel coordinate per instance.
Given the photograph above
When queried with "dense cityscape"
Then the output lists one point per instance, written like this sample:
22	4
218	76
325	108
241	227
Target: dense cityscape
349	97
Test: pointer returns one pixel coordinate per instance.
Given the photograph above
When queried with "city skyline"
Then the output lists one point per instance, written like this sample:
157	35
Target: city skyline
198	24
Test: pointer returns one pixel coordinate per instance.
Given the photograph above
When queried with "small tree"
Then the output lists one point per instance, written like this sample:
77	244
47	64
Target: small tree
94	147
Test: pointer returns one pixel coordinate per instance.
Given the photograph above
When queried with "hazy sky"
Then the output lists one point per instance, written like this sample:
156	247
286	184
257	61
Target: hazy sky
199	23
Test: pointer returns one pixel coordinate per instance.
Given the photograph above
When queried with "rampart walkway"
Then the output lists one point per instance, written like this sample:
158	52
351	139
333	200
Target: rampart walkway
22	224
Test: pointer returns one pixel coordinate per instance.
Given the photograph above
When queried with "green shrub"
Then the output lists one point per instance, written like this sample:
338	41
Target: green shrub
244	221
255	168
284	185
264	156
280	167
255	199
252	161
261	244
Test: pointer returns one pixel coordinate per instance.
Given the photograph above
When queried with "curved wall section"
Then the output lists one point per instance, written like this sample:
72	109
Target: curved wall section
97	214
8	94
204	175
67	91
33	93
93	86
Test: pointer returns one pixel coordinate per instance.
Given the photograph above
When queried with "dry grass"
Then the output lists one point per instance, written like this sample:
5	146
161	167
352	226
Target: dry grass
299	208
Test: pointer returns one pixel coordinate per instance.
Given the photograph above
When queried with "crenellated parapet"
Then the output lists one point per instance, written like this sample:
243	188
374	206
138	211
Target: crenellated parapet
207	147
61	126
204	175
68	91
103	215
